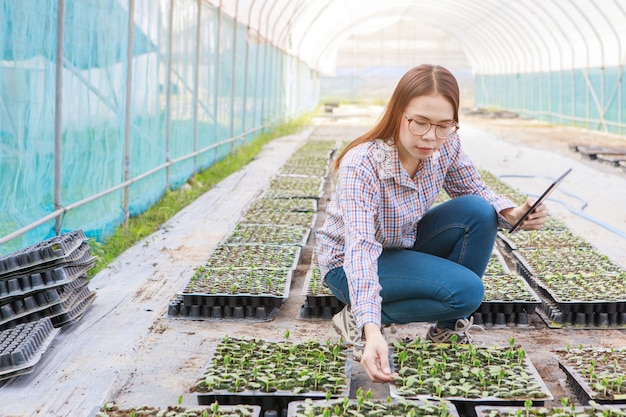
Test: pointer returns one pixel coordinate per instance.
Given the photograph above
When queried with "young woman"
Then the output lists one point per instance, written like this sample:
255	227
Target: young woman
385	250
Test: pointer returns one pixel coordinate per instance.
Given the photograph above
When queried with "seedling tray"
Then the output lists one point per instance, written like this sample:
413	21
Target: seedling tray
229	308
492	375
22	347
312	170
73	309
253	293
254	256
258	372
278	218
500	308
44	303
583	314
608	367
259	234
351	407
320	303
22	286
49	252
577	411
556	319
537	239
283	186
215	410
262	205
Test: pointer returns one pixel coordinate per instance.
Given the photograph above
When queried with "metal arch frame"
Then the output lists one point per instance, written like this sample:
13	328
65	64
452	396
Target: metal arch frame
563	33
534	67
587	49
604	102
621	74
590	90
488	38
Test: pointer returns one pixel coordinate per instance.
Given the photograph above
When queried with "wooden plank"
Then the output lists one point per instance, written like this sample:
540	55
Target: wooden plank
81	368
592	151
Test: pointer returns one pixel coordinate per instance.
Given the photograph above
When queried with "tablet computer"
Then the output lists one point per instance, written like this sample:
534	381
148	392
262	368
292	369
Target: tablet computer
540	200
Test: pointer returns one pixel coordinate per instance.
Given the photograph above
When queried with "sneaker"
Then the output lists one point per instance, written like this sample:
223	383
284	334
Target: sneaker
462	329
345	325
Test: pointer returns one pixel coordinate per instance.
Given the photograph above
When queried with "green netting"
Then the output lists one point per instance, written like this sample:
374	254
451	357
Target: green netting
222	84
593	98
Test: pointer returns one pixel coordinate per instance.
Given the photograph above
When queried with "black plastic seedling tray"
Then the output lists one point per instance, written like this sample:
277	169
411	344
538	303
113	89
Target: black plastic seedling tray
351	407
41	255
22	347
265	355
20	287
236	308
254	256
319	302
50	302
268	234
584	391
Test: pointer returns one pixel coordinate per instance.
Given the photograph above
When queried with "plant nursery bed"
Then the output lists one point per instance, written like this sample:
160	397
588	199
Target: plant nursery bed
345	407
595	374
508	298
288	186
262	205
272	374
280	218
582	300
259	234
571	411
539	262
233	293
254	256
224	312
538	239
215	410
22	347
467	375
319	303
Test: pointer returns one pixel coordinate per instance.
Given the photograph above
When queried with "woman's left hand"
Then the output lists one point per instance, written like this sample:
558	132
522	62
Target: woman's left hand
535	220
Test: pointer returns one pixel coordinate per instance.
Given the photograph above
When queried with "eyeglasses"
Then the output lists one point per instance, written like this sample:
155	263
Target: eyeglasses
420	127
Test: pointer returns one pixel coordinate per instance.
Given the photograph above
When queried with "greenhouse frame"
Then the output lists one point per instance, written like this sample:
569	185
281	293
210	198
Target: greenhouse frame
105	105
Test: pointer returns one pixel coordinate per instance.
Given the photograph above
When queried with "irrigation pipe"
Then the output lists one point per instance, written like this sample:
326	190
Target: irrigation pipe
577	211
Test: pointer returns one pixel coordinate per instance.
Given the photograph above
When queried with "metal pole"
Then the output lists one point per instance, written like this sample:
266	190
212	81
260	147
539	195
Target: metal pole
58	113
217	76
196	85
232	87
168	99
127	113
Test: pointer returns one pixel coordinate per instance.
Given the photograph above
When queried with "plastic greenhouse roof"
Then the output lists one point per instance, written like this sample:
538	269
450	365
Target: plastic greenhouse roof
497	36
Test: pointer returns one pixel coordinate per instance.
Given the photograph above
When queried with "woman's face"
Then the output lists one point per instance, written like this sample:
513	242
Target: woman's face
434	109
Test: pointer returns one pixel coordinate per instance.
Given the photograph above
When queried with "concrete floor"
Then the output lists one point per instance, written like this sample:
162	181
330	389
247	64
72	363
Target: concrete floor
126	351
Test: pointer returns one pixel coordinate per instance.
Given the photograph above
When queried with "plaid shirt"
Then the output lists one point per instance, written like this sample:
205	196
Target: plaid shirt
377	206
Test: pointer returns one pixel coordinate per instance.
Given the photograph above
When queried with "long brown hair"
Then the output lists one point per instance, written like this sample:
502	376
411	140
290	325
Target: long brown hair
418	81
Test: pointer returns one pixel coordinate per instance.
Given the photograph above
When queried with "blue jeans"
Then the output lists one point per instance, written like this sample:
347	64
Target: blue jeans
439	279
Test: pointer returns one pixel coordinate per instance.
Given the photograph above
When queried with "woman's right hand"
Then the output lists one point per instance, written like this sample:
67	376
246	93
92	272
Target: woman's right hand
375	358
